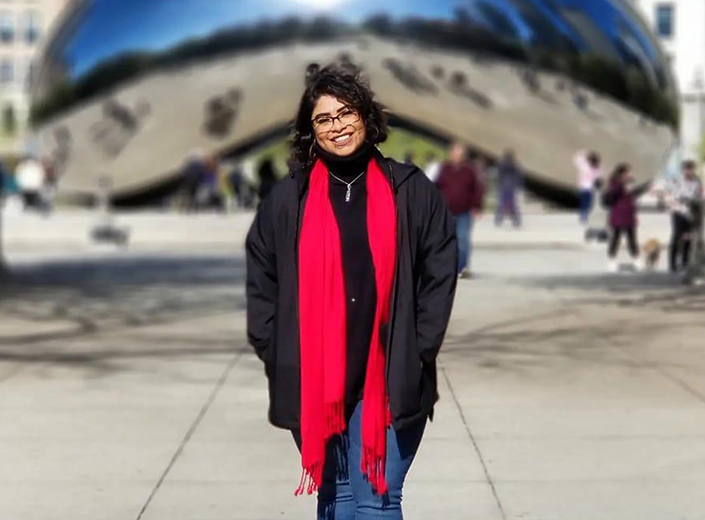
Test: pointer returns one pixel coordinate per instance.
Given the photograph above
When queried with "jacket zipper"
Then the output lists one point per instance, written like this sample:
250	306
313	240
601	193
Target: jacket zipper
392	310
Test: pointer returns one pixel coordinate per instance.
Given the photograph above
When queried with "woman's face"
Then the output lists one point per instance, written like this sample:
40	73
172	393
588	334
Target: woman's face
338	128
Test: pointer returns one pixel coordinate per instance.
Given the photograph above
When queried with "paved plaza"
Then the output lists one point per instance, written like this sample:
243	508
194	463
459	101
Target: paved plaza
128	391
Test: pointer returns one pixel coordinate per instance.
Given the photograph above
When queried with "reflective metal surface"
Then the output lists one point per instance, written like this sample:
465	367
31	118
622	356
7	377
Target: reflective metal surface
130	88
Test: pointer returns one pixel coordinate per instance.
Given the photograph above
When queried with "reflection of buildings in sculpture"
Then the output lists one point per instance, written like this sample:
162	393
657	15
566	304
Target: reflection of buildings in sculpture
492	74
624	47
23	30
678	24
590	33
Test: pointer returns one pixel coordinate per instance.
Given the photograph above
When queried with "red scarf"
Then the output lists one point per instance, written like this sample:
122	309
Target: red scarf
323	328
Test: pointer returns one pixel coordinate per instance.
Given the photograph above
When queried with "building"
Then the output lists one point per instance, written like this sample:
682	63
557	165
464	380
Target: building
24	26
678	24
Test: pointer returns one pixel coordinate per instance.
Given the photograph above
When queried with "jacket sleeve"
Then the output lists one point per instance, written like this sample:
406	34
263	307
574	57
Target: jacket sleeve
261	286
438	266
640	190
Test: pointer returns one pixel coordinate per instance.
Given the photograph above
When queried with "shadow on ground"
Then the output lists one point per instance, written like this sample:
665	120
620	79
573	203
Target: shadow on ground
590	316
661	291
85	296
562	339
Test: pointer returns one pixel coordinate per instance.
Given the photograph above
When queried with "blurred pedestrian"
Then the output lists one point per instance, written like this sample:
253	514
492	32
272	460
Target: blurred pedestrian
462	191
350	359
597	227
240	187
589	170
267	178
509	182
209	191
621	197
685	198
193	172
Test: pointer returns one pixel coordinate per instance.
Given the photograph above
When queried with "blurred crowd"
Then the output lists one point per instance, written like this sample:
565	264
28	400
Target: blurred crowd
607	204
463	180
208	184
609	210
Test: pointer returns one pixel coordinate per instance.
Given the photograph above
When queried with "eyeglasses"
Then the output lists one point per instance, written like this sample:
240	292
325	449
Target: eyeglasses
324	123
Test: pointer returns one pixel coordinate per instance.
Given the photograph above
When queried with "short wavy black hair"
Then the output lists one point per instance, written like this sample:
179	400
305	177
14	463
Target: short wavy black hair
345	83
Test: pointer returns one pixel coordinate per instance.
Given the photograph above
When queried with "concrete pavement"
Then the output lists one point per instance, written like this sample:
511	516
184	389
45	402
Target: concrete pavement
127	390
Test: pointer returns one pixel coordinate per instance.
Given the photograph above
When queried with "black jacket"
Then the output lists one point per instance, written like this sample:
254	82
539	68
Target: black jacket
422	296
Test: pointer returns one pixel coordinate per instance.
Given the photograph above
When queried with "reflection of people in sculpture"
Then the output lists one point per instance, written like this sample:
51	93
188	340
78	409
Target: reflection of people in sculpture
351	271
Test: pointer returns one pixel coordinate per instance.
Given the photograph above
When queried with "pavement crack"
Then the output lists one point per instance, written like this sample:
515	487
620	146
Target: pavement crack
194	426
474	442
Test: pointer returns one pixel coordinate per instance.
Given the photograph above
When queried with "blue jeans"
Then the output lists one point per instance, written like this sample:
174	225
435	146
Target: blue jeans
585	202
463	230
345	494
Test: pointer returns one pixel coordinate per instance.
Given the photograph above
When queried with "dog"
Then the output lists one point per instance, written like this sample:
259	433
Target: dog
651	252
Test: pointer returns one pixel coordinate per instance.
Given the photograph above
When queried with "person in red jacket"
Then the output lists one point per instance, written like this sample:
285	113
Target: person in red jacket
461	188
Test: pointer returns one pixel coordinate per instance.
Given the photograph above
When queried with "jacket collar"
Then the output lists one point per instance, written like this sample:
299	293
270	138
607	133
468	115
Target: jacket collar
398	172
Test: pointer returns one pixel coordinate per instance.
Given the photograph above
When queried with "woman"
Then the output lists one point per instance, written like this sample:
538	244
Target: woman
350	281
621	199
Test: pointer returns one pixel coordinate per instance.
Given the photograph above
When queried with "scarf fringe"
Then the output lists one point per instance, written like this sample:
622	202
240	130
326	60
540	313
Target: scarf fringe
373	466
308	479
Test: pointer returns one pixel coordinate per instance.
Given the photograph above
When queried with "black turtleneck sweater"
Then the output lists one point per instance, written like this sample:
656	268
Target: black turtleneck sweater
358	269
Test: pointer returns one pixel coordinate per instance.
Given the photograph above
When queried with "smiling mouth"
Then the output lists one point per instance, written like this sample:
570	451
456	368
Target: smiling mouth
342	140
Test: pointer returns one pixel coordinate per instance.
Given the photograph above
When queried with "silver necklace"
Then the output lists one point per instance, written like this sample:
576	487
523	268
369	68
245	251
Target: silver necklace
348	184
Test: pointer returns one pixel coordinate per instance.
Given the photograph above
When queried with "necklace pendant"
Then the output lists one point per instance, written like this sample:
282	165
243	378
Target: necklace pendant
347	195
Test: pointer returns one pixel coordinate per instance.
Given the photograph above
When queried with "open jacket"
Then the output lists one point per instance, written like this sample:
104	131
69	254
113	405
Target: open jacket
422	295
622	202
